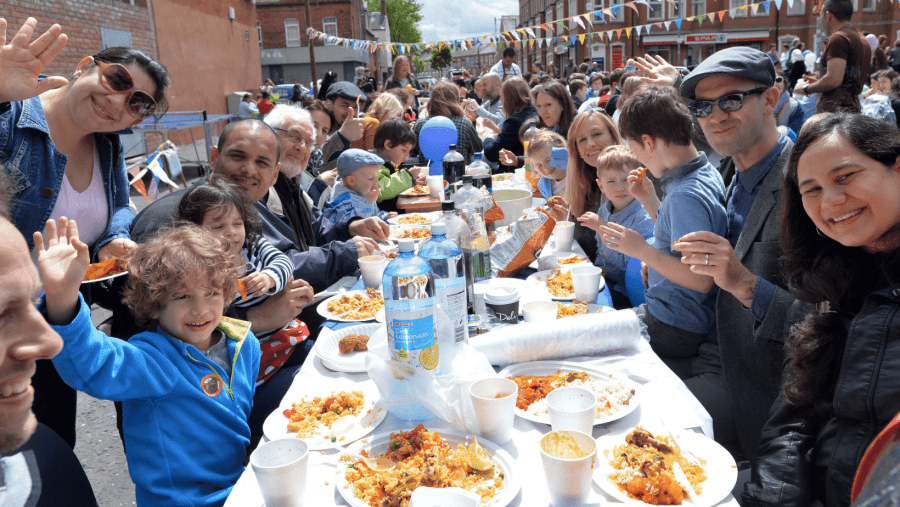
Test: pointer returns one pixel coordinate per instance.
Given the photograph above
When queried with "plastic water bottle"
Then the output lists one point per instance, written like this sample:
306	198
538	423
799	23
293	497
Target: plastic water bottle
478	167
457	230
409	309
446	259
454	168
470	207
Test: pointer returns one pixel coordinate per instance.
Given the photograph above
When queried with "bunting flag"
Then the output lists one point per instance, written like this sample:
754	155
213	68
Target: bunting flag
700	20
678	23
578	20
153	191
668	24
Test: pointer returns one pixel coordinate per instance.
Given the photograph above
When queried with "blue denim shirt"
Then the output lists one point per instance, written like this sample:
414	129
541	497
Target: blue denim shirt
634	217
694	201
346	204
37	171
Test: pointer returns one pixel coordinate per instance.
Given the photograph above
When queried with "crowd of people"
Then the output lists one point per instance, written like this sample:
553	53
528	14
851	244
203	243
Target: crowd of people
767	232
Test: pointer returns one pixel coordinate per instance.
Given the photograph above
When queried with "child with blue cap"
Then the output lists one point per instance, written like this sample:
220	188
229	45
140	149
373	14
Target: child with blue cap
358	190
549	158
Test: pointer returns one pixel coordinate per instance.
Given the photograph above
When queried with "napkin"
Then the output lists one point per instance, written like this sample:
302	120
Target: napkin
573	336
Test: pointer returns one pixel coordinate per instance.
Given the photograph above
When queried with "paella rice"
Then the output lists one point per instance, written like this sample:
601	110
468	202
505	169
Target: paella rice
423	459
313	417
361	307
415	218
612	395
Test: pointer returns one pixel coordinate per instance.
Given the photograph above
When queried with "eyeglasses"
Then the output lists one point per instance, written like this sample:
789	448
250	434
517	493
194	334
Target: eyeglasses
728	104
297	136
779	79
116	78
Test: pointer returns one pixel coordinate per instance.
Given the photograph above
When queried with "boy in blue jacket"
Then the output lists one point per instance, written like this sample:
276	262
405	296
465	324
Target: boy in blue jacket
187	387
356	194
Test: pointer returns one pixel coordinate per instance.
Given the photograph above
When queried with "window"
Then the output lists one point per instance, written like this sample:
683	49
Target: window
329	25
739	13
855	5
259	33
698	7
798	9
292	32
676	9
869	5
655	11
620	15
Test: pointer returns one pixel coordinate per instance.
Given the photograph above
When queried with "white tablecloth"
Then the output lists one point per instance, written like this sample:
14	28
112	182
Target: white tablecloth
662	394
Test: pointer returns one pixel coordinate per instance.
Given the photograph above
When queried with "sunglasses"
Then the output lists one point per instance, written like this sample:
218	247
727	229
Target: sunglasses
779	79
116	78
728	104
297	137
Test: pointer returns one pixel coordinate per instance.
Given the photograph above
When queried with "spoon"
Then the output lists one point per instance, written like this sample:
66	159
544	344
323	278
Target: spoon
378	464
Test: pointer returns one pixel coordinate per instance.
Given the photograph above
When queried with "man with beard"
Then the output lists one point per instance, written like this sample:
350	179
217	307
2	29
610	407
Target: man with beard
345	100
491	107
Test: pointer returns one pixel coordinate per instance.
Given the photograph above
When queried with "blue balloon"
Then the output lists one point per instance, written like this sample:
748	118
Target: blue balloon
435	139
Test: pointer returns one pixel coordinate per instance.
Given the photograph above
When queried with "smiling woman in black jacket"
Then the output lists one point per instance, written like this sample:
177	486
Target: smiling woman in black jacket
840	238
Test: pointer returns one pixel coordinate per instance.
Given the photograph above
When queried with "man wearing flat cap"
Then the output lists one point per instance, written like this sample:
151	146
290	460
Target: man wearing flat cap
345	99
732	96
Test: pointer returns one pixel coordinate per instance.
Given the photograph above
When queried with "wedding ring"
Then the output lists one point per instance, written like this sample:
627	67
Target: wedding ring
707	259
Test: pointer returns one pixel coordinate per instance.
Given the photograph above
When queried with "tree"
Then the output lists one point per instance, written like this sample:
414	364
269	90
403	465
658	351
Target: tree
441	59
403	16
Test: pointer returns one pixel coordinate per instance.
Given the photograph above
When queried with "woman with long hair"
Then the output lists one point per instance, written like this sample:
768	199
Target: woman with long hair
517	106
385	107
445	102
840	239
60	142
590	133
402	77
555	107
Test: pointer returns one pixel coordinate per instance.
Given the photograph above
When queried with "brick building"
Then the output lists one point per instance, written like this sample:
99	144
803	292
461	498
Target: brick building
284	43
209	46
694	41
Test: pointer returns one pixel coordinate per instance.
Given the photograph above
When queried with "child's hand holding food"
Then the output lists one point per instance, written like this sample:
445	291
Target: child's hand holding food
256	284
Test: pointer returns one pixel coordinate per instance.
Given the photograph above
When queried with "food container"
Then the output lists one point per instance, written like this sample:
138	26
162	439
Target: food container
513	202
503	302
536	311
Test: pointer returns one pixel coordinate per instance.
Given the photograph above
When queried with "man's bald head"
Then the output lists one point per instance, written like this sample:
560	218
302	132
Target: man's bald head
252	124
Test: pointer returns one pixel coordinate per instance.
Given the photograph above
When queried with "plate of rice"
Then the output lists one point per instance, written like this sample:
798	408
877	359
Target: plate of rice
616	398
414	218
439	458
558	282
310	418
636	467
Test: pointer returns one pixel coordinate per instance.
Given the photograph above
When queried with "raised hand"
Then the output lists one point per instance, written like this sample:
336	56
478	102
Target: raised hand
640	186
353	128
660	72
22	61
592	221
62	264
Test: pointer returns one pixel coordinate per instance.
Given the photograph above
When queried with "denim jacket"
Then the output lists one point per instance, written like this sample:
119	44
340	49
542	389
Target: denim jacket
37	171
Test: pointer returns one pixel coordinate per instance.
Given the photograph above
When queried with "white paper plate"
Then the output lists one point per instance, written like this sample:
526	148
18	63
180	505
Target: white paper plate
542	368
528	292
409	193
592	308
327	348
275	426
110	277
540	279
430	218
721	470
322	308
378	445
396	230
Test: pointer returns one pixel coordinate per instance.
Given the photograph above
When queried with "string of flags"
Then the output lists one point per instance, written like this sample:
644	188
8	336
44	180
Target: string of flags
551	32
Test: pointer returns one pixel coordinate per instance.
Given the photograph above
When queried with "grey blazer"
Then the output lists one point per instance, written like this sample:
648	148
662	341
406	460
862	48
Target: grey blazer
753	352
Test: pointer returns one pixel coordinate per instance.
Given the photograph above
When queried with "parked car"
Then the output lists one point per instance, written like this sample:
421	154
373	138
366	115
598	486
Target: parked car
285	91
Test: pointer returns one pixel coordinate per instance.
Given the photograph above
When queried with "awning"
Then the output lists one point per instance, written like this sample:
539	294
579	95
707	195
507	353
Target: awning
748	36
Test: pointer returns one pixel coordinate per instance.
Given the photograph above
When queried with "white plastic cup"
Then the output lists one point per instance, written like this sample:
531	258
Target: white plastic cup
479	291
572	408
372	269
563	236
280	467
568	479
495	408
435	185
538	311
521	173
586	280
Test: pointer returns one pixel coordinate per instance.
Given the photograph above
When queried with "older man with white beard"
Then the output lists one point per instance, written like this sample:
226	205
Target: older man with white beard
293	122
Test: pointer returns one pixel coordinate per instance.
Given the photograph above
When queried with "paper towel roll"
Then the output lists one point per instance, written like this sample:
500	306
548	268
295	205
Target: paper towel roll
573	336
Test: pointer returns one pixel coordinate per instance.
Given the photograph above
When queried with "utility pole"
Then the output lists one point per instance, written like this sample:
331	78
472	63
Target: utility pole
312	55
390	38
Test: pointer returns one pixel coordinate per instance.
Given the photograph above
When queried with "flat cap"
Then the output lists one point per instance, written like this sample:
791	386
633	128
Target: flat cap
740	61
353	160
344	90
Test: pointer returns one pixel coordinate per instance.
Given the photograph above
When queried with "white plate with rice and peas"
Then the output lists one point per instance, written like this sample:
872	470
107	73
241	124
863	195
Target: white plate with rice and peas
495	478
616	398
415	218
313	416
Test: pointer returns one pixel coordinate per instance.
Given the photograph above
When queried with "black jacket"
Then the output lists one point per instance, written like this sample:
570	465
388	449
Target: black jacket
509	136
809	453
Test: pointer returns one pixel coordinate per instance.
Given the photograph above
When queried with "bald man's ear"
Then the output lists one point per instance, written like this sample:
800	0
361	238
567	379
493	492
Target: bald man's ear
213	156
277	172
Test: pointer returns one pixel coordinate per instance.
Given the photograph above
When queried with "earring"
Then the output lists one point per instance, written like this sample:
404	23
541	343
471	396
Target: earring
820	233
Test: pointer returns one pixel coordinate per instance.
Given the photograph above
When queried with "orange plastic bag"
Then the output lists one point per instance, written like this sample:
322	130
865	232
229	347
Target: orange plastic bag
515	250
493	213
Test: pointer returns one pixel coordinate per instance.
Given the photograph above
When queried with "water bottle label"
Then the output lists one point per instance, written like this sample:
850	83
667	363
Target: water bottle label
411	333
481	265
451	292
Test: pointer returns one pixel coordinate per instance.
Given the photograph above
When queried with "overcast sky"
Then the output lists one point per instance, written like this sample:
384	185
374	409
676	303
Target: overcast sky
453	19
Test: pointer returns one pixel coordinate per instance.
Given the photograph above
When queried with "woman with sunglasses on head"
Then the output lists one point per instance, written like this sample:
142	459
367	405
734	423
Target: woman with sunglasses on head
840	240
59	140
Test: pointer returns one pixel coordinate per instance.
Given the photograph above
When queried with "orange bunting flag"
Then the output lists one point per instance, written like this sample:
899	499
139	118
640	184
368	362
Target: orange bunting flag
581	37
139	186
619	33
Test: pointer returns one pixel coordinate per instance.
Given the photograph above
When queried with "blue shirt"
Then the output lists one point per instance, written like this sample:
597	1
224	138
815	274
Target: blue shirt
346	204
634	217
743	194
694	197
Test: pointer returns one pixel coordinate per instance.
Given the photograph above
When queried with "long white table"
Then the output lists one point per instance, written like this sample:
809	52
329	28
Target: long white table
664	396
